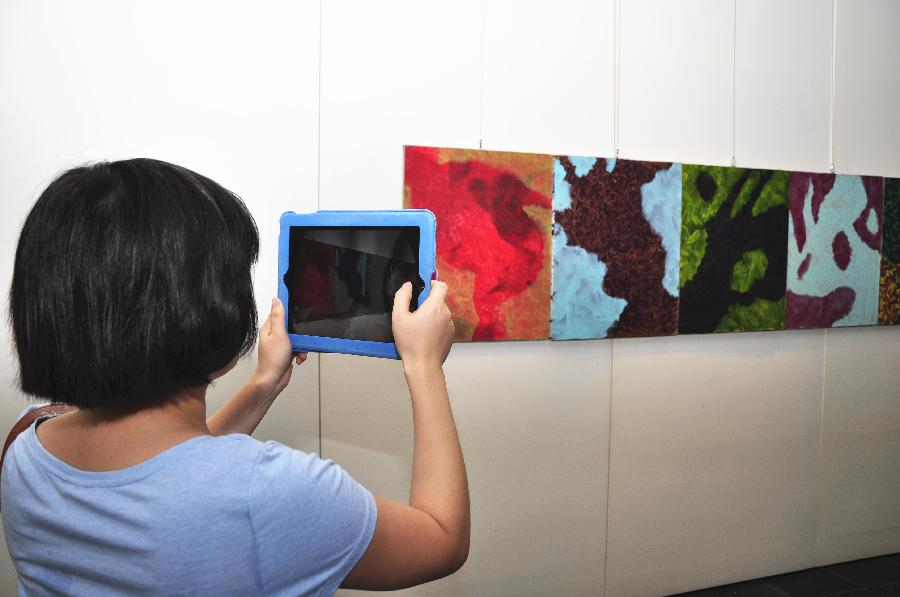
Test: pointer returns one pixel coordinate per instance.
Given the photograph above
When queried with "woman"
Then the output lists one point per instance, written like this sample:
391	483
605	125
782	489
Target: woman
131	293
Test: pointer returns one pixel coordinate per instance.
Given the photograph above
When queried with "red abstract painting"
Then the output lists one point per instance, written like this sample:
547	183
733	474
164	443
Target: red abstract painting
494	247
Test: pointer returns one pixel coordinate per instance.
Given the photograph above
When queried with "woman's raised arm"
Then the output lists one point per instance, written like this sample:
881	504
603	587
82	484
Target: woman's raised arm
429	537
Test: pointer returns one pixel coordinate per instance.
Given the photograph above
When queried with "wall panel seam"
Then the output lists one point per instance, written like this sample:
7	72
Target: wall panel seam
318	207
819	465
608	466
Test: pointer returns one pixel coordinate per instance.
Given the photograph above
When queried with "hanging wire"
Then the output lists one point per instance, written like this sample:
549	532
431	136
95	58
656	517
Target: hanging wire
481	94
833	69
617	25
734	86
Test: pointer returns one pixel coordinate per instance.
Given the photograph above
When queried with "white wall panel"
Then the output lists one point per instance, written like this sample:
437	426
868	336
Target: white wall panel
394	73
676	89
783	84
548	76
867	88
419	82
226	89
860	476
714	447
548	87
859	486
533	423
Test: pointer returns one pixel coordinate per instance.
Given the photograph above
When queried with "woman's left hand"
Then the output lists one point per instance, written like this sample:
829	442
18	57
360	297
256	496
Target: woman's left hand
243	412
275	356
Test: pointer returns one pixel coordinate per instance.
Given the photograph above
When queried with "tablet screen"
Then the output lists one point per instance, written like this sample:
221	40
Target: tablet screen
341	281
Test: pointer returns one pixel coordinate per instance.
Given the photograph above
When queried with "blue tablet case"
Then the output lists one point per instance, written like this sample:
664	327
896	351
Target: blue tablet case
423	219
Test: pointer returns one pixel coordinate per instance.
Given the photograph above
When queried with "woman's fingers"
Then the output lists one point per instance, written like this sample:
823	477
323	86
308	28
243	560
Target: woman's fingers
438	294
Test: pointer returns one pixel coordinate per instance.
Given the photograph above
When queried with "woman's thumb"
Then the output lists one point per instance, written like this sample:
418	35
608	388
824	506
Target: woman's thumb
402	299
276	316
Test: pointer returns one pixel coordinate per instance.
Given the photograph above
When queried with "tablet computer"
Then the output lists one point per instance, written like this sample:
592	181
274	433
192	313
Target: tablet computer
338	272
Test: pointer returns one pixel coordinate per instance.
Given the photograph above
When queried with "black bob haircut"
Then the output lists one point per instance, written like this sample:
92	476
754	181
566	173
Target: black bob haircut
132	280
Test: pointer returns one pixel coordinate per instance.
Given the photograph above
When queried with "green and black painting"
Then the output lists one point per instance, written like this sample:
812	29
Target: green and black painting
889	292
733	249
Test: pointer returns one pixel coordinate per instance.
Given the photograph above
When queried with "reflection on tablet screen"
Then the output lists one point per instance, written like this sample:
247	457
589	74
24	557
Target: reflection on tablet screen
341	281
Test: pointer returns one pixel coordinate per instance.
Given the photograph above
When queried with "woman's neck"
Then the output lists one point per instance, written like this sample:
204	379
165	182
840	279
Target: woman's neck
112	439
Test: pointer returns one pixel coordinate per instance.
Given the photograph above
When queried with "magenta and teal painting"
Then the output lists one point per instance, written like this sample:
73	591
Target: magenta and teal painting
834	257
615	248
733	249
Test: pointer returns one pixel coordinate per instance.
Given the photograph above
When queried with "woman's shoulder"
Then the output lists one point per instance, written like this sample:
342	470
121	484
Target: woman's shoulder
246	445
278	477
265	458
233	450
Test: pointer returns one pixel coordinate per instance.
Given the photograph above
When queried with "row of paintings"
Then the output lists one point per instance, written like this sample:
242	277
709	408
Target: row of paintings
538	246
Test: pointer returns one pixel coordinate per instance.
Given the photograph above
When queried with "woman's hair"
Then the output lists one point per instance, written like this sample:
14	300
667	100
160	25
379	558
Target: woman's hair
132	280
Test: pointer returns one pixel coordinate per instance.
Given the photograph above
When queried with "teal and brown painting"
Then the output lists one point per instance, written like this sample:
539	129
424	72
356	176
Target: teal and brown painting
889	289
834	258
733	249
615	248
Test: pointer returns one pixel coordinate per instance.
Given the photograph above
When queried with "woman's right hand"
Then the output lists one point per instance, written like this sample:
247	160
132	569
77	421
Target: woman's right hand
423	337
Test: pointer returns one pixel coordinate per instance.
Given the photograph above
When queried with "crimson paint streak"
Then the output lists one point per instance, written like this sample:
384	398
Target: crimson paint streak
806	311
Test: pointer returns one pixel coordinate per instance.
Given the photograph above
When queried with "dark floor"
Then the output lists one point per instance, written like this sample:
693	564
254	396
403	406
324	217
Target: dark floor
875	577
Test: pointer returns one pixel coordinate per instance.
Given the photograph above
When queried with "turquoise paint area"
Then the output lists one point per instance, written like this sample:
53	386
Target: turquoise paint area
562	191
582	164
580	308
610	164
661	205
840	208
872	222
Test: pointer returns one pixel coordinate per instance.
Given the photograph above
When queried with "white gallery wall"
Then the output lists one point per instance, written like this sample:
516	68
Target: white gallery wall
628	467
